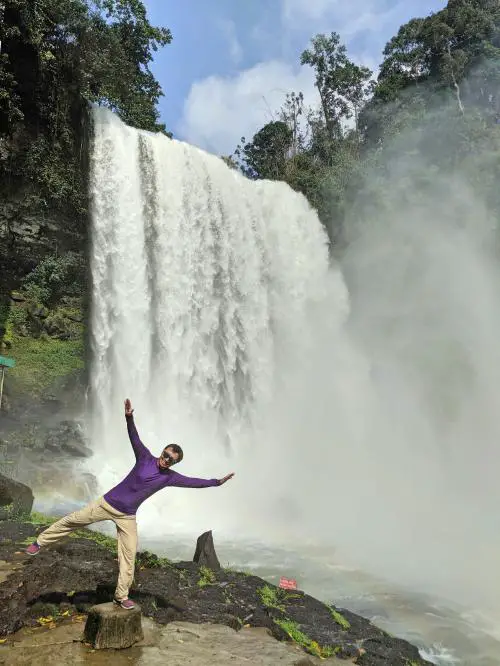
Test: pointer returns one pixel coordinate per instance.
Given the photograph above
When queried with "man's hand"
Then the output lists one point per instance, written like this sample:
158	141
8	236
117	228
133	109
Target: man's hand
128	408
226	478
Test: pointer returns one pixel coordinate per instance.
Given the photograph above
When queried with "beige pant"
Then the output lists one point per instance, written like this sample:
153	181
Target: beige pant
126	528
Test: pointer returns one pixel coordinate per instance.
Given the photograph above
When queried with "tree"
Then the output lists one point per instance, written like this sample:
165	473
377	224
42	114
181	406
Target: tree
57	56
342	85
266	155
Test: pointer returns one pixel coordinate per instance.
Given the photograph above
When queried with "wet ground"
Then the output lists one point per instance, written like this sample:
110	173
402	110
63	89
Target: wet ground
177	644
50	594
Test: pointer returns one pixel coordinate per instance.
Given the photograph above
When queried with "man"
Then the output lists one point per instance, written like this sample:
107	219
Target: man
120	504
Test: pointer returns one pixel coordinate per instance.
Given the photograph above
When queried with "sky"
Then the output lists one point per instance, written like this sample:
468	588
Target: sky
231	62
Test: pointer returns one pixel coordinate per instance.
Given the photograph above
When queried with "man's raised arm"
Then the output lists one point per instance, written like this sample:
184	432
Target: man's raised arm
139	448
182	481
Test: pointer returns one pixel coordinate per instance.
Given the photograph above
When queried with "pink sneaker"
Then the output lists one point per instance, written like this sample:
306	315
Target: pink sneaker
128	604
34	549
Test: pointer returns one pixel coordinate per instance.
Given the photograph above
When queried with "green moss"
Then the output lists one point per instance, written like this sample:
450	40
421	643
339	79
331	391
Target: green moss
42	361
207	577
340	619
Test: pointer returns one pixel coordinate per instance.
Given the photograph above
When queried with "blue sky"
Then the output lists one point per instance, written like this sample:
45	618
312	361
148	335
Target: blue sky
232	61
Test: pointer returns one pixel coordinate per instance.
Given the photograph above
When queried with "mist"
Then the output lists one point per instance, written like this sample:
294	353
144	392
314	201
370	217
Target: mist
382	443
371	428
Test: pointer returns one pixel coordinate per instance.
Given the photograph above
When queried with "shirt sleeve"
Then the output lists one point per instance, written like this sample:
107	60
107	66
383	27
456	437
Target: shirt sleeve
182	481
139	449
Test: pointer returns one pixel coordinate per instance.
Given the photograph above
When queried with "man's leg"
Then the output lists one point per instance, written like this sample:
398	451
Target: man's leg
126	528
92	513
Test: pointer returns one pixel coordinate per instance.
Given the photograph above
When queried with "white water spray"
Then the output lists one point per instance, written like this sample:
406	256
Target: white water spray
203	285
215	311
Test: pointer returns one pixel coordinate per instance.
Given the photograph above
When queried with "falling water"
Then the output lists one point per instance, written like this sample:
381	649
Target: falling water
204	284
215	310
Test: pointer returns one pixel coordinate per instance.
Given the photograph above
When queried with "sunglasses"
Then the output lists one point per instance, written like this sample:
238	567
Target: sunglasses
168	458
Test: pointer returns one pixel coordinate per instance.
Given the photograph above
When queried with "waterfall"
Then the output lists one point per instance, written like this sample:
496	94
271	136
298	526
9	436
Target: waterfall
215	310
203	285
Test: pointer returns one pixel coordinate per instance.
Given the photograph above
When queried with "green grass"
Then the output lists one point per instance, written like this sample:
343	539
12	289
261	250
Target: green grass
107	542
271	597
275	597
151	561
340	619
41	361
207	577
292	629
37	518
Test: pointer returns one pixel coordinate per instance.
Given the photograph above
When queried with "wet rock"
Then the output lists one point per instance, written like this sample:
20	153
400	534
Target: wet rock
17	297
67	439
205	554
37	311
110	626
16	499
82	573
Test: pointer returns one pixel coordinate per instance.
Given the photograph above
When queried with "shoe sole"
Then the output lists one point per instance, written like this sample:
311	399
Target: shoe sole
31	554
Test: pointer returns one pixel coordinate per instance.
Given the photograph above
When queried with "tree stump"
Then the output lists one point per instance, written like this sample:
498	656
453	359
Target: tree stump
205	552
110	626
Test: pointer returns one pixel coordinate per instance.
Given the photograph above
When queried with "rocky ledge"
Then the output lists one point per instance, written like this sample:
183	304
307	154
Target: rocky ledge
63	582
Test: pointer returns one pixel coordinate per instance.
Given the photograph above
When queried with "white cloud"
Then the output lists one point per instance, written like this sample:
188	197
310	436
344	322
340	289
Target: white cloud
218	110
228	29
346	18
308	9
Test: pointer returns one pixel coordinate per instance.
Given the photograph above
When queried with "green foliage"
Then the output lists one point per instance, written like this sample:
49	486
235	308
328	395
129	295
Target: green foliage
101	539
37	518
56	276
148	560
340	619
42	361
435	101
342	85
57	57
207	577
271	597
266	155
298	636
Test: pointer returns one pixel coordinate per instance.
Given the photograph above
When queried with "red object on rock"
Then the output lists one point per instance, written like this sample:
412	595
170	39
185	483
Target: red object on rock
288	583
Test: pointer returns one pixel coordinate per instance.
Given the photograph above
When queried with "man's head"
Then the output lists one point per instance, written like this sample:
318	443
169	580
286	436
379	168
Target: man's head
170	455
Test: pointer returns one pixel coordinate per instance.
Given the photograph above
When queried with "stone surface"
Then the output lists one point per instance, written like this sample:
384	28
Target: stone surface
67	439
177	644
78	573
110	626
16	499
205	554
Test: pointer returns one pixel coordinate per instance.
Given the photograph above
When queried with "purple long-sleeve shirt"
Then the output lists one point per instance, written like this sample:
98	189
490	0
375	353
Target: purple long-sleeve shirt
146	478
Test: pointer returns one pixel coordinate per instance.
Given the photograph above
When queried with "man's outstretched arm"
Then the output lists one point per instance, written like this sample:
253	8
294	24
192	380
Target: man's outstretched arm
139	448
182	481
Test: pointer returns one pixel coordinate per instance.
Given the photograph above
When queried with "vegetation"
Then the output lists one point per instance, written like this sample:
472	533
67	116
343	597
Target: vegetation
293	630
207	577
435	99
340	619
58	56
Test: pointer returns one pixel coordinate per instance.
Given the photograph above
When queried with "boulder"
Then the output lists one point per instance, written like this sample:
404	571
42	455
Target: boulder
16	499
110	626
205	552
67	439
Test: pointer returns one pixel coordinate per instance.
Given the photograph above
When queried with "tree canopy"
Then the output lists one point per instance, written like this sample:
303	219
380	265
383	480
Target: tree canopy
437	96
57	57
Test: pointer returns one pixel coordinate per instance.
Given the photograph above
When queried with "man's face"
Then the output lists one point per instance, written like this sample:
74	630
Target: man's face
167	458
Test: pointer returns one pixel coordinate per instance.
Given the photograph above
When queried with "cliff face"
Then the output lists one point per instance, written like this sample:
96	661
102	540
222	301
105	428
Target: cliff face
43	286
